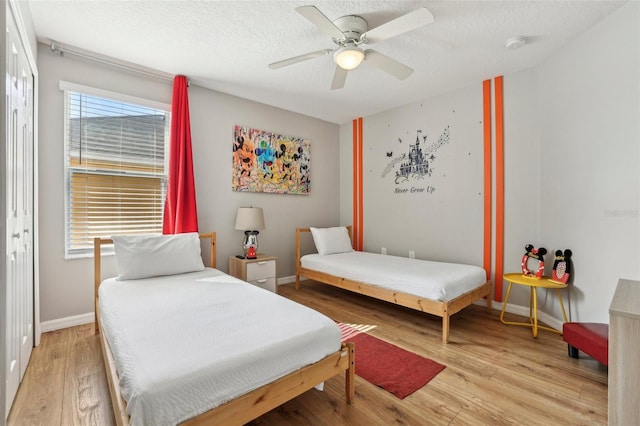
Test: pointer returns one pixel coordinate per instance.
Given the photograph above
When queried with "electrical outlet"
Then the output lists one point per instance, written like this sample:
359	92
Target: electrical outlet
384	250
412	254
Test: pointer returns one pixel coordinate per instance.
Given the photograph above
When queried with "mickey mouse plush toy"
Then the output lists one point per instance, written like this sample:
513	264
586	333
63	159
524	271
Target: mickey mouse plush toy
562	266
532	252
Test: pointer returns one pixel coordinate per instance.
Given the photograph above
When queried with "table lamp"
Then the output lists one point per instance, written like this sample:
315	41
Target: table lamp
250	220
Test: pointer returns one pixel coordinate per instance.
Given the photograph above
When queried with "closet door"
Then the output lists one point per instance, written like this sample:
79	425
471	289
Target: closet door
19	214
14	231
25	143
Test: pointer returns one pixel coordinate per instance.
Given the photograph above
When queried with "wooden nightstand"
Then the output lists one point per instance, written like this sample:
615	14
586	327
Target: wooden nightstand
261	272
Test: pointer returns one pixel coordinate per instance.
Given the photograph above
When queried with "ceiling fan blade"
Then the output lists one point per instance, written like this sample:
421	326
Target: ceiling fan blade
403	24
385	63
318	19
300	58
339	77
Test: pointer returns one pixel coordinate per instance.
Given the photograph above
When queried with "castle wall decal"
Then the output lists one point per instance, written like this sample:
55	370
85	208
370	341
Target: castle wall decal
416	163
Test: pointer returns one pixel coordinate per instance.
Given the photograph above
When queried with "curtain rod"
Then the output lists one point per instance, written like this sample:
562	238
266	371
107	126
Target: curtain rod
106	60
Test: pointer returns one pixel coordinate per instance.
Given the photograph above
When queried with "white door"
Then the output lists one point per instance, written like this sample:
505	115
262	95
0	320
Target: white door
25	142
19	214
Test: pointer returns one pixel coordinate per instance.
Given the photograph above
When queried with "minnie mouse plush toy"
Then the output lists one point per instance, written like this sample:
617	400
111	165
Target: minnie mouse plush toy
534	253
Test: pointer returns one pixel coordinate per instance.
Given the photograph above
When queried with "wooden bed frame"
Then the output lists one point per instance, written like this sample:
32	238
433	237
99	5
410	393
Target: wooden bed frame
433	307
246	407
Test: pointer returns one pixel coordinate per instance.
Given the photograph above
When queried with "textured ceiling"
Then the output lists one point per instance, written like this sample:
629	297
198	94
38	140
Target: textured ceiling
227	45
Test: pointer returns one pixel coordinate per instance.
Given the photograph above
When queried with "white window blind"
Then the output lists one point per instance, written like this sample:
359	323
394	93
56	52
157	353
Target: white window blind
115	166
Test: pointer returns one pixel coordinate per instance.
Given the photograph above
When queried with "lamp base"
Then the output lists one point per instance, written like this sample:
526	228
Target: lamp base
250	244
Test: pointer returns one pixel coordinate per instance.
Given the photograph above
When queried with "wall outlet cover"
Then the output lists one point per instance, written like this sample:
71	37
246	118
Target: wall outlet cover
412	254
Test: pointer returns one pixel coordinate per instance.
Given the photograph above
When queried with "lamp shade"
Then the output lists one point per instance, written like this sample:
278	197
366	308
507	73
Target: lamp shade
250	219
348	57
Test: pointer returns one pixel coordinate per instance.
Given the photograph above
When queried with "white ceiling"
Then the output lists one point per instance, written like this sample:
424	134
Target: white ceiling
226	45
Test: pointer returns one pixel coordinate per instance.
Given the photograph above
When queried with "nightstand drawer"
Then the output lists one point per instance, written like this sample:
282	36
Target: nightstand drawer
265	283
261	270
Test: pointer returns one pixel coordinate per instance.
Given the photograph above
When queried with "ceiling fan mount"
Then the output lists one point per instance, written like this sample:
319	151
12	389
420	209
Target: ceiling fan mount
351	31
352	26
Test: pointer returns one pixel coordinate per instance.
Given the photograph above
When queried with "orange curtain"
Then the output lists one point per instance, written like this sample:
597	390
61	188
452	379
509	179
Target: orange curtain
180	212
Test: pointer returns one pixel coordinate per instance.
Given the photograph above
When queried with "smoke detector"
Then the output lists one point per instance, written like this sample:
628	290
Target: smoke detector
515	42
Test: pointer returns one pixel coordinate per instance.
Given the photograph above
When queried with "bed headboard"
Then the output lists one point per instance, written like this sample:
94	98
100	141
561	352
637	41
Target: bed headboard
97	265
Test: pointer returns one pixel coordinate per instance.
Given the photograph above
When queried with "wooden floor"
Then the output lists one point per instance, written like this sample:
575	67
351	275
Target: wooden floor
495	375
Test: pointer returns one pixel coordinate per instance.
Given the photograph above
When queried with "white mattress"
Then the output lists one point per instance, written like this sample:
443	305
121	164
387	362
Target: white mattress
432	280
187	343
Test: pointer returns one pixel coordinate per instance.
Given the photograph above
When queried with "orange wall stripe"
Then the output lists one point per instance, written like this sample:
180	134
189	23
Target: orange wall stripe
360	187
499	115
354	224
486	119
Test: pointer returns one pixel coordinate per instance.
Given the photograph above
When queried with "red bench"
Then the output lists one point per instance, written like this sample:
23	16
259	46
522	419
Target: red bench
588	337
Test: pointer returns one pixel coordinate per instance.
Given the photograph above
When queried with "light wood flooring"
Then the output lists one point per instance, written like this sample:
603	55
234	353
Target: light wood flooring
495	375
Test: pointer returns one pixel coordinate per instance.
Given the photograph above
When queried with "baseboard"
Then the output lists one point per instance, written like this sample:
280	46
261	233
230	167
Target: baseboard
67	322
287	280
542	316
512	309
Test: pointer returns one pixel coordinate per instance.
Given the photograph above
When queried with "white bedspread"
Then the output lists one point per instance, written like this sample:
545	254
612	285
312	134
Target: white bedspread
187	343
432	280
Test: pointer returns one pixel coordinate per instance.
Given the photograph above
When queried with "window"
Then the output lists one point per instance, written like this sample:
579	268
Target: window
115	166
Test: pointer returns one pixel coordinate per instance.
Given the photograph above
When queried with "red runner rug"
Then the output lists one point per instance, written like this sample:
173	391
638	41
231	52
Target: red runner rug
394	369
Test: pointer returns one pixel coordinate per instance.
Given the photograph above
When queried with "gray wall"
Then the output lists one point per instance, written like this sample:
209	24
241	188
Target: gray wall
571	169
66	287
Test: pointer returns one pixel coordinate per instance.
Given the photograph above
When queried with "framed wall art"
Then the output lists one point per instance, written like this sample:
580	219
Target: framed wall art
265	161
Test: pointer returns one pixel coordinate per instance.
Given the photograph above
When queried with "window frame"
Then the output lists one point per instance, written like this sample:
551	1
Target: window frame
65	87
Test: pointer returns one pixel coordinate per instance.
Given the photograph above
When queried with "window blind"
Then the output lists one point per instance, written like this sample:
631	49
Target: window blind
116	170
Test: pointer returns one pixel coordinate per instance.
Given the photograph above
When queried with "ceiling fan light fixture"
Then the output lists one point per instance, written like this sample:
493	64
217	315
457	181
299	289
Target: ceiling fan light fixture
348	57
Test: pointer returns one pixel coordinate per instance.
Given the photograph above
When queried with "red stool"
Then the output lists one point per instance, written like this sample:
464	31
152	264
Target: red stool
588	337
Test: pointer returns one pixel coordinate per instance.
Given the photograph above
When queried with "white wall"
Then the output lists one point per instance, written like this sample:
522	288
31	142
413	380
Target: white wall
439	216
66	285
521	175
447	224
571	169
590	139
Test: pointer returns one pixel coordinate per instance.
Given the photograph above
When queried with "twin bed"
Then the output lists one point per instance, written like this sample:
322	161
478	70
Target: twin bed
235	352
192	345
437	288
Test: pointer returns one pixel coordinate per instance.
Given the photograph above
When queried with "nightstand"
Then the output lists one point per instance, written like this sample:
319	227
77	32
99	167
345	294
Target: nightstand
260	271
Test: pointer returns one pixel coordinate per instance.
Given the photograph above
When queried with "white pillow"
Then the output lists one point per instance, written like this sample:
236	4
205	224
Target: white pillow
142	256
331	240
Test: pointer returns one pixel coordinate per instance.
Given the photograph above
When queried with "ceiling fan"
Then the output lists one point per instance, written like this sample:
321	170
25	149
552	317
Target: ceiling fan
349	33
